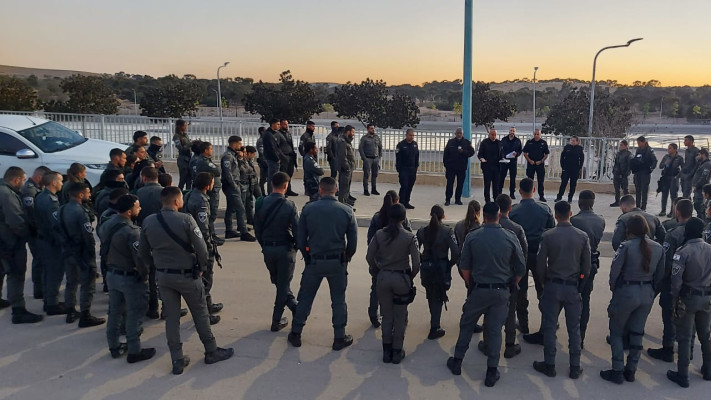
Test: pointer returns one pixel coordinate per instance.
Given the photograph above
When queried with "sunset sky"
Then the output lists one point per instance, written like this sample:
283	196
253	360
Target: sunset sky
398	41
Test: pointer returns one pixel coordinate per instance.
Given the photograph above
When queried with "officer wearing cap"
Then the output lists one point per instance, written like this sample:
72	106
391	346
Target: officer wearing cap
275	225
197	204
173	244
594	225
49	242
491	261
327	238
127	275
691	289
563	261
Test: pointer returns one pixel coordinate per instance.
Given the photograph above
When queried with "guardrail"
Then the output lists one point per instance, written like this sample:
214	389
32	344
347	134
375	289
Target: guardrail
599	152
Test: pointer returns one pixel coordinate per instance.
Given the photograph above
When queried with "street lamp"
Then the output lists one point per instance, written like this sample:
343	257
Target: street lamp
592	83
535	69
219	93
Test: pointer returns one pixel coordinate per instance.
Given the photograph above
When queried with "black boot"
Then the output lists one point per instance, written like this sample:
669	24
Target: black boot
681	380
575	372
387	353
20	315
435	333
59	309
117	352
214	319
664	354
218	355
87	320
341	343
179	365
142	355
294	339
492	376
455	365
72	315
546	369
375	192
279	325
365	191
612	376
398	355
534	338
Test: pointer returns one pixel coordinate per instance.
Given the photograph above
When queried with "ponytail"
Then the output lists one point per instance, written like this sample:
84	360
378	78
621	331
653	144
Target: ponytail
637	228
437	214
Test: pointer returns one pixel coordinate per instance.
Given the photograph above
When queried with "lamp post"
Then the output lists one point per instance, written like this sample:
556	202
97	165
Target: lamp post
535	69
467	86
135	102
219	93
592	82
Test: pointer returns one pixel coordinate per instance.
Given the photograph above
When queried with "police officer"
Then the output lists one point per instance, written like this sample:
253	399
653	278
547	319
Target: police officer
231	179
394	253
594	225
261	161
701	178
563	261
671	168
370	149
671	223
14	232
707	229
489	155
345	159
173	243
197	204
149	196
248	182
182	143
536	152
689	167
306	137
455	159
140	140
29	191
203	163
111	209
691	288
571	162
504	202
117	161
407	160
534	218
49	242
327	238
629	209
511	149
440	253
127	275
114	179
492	261
331	148
79	251
273	155
312	171
275	225
621	172
672	241
155	153
635	274
288	161
642	166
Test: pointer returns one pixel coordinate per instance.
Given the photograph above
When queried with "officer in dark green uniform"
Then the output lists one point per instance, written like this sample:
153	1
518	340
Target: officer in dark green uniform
197	204
492	261
275	225
14	232
181	141
231	181
172	243
49	242
672	241
395	255
594	225
327	238
629	209
127	275
288	161
149	196
312	171
29	191
691	289
563	261
203	163
79	256
534	218
701	178
635	274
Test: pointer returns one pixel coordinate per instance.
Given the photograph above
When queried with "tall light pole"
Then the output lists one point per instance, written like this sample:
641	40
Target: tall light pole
535	69
219	93
592	82
467	86
135	102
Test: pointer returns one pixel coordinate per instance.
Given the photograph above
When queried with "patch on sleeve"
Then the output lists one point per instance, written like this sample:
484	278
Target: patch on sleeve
706	172
29	201
135	245
202	216
677	257
197	232
226	163
666	246
211	165
675	269
88	227
454	238
56	215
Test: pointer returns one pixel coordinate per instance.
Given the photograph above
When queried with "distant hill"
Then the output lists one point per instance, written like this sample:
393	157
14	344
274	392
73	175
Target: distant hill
40	72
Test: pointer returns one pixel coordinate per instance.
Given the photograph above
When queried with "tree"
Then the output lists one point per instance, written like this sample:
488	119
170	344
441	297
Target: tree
16	95
489	106
88	95
371	103
293	100
613	116
172	98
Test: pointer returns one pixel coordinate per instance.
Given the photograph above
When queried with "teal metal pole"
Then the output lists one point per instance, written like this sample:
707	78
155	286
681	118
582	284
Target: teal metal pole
467	83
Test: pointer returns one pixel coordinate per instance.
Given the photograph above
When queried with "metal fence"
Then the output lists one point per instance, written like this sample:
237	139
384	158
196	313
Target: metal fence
599	152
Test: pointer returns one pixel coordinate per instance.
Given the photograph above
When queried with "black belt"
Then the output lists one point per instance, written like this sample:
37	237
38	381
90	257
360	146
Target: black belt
563	282
636	282
372	158
326	257
399	271
175	271
266	244
123	272
490	286
700	292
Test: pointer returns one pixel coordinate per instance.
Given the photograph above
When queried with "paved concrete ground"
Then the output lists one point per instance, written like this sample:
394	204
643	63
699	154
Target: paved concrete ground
58	361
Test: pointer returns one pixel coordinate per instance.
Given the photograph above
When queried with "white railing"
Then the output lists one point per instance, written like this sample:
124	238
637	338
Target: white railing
599	152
